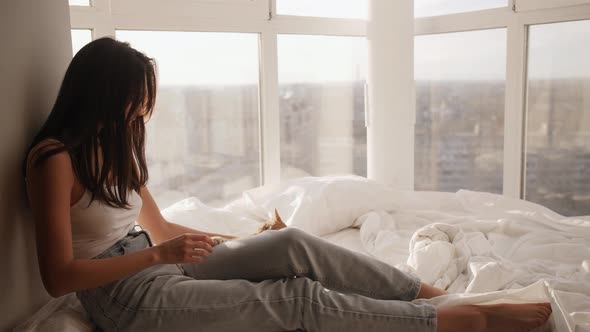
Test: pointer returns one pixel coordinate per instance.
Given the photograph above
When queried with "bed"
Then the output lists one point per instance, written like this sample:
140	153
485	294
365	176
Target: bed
481	247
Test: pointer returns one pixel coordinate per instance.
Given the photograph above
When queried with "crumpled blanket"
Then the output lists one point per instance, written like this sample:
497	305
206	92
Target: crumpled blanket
470	243
481	247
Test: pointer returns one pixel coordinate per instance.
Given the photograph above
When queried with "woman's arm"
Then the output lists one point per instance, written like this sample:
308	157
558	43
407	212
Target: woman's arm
161	229
49	186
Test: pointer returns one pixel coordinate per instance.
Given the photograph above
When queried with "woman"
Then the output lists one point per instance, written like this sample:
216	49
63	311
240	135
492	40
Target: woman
86	180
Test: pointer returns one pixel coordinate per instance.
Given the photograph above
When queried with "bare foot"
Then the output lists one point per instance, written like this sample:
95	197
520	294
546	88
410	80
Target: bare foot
493	318
515	317
428	292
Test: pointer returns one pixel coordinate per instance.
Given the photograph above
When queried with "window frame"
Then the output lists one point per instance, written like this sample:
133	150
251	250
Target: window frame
462	29
261	18
229	17
527	5
515	112
273	13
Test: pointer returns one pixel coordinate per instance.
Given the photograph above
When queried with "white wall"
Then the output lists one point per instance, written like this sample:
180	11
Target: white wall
34	53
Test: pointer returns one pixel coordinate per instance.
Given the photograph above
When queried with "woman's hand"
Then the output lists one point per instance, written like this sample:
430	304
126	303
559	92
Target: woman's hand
185	248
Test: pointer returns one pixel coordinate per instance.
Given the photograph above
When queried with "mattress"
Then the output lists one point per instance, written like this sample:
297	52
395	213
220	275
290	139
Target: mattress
348	238
481	247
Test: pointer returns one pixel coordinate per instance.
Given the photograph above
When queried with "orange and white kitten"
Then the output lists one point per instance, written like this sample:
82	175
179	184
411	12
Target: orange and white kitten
275	223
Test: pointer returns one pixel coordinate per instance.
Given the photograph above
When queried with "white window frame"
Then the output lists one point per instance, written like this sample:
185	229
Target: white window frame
259	16
527	5
104	17
517	24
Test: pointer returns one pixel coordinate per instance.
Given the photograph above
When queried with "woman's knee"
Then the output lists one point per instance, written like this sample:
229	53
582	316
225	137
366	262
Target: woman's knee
289	237
291	234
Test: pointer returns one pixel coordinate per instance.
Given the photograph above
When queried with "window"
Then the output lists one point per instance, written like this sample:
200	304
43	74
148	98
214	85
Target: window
461	68
203	138
558	118
80	37
460	111
79	2
324	8
442	7
321	83
524	5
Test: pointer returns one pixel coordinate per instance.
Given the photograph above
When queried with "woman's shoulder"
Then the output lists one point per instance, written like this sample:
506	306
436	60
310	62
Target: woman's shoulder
56	169
46	146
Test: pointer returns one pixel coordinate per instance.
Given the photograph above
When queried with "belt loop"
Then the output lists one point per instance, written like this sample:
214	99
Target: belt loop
148	237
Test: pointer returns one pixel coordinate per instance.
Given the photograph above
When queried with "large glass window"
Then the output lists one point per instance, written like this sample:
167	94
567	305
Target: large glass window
443	7
321	81
558	118
203	138
80	37
460	89
324	8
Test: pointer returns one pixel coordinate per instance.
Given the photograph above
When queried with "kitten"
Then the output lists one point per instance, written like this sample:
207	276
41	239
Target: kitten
275	223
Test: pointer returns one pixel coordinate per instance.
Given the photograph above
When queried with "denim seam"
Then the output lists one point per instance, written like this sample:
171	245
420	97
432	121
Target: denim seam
338	286
414	288
431	319
114	299
151	310
413	292
274	270
433	315
117	301
427	319
92	298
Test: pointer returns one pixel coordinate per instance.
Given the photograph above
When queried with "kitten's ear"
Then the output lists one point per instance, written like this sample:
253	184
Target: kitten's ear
277	216
278	221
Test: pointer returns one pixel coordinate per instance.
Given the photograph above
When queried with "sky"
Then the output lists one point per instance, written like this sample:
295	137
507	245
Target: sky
473	55
560	50
556	50
197	58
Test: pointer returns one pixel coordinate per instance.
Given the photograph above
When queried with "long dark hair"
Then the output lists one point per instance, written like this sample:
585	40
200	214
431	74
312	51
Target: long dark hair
106	87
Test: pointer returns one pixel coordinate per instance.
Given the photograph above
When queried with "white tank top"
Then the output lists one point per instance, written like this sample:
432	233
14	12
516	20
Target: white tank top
97	226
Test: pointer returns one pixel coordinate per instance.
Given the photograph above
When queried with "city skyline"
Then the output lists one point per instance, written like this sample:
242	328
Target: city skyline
465	152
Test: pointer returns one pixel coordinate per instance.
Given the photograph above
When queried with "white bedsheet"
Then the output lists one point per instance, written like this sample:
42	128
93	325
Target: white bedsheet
481	247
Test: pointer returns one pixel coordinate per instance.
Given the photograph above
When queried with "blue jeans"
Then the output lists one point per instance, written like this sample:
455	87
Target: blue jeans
279	280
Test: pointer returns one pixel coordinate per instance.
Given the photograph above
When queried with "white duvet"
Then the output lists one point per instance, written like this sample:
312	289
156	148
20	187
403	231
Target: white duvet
481	247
